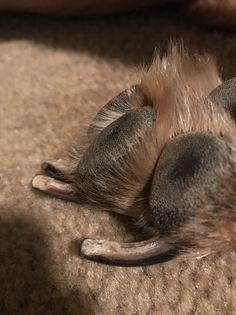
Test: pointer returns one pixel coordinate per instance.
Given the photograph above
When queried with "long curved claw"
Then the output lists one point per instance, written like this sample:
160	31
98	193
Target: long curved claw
134	254
54	187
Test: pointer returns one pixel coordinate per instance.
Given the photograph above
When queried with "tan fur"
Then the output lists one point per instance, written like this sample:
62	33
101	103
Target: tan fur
213	229
177	86
40	271
104	120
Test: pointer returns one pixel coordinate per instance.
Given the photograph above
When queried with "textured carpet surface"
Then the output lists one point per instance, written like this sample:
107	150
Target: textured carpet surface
55	74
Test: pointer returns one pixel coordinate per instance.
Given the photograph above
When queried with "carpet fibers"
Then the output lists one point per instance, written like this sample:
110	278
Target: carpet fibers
55	74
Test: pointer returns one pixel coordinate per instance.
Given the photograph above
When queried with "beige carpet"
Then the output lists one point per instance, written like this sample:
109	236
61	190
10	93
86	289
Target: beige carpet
55	74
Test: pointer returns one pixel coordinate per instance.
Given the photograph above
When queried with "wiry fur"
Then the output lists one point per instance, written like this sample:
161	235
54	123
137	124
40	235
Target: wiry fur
176	87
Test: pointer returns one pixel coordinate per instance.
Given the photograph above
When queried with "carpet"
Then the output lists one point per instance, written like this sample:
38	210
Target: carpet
55	74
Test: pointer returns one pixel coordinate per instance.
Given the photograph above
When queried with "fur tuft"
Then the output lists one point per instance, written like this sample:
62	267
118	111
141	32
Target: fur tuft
176	87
